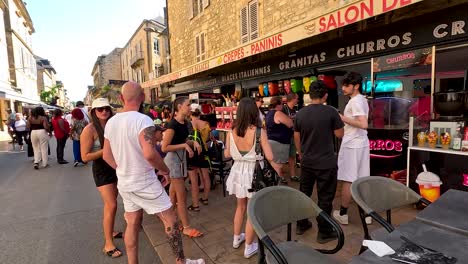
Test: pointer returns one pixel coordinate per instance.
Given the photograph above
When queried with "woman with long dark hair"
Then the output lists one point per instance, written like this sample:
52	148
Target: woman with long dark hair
240	145
39	127
92	142
176	144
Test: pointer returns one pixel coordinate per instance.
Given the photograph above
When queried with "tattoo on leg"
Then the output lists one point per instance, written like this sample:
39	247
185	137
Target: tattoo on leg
175	240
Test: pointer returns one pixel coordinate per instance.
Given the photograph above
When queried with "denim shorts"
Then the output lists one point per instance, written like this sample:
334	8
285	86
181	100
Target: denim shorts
176	161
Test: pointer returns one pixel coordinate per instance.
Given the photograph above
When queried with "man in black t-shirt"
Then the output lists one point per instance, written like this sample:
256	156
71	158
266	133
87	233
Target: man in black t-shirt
291	101
314	128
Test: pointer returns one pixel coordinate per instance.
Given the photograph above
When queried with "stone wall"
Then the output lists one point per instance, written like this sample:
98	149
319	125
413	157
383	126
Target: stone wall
221	23
107	67
110	67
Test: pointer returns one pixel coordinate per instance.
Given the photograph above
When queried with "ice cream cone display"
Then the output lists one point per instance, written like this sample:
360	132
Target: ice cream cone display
432	139
445	140
421	139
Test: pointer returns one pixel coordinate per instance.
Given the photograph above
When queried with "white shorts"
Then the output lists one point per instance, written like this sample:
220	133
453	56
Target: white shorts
153	199
353	163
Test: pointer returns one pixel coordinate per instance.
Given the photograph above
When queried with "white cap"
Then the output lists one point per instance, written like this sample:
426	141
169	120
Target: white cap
194	107
427	177
100	102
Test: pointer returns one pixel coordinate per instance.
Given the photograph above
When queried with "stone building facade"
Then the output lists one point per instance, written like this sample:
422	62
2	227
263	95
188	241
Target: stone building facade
18	85
145	56
45	75
107	67
221	21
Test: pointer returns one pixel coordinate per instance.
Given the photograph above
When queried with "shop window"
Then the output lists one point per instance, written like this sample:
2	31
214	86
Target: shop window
249	22
200	47
196	7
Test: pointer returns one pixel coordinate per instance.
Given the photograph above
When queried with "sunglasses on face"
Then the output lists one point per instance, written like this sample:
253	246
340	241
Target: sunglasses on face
101	109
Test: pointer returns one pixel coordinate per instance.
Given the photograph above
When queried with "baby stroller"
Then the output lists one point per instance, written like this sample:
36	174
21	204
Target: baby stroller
220	166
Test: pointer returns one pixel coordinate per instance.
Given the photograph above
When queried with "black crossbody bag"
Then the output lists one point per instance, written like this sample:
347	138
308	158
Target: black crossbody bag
264	174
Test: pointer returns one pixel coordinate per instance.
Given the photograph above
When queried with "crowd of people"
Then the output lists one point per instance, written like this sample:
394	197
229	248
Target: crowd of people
148	157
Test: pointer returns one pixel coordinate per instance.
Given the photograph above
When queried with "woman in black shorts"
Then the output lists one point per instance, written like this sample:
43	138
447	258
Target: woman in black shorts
92	141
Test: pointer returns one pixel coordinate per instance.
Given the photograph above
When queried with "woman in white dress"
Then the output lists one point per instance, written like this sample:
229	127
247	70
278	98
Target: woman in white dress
240	145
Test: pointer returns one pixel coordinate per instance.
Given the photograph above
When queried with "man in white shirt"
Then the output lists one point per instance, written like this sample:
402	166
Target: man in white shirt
68	117
130	149
354	155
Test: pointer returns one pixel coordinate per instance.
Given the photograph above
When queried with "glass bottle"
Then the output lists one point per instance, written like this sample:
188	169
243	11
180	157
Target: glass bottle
457	140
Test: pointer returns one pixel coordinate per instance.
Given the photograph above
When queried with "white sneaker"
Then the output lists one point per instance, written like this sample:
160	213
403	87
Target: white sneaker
343	219
237	242
368	220
194	261
250	250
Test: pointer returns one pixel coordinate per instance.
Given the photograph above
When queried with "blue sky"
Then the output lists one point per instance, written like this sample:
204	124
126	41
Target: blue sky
72	34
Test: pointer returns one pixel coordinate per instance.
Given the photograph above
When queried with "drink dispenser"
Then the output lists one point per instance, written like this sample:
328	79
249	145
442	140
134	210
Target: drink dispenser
265	89
306	82
287	86
260	89
296	85
429	184
273	88
281	88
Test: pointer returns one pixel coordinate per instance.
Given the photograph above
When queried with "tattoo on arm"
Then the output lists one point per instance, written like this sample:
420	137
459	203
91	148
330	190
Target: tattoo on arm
149	134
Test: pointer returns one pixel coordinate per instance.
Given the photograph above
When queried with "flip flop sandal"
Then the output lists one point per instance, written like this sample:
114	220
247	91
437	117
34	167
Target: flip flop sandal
112	253
193	232
194	208
204	201
118	235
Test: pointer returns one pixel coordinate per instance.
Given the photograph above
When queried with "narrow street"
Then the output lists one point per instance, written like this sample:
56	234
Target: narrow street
53	215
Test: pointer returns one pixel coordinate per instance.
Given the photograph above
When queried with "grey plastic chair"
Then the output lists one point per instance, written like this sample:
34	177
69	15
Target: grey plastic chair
375	194
276	206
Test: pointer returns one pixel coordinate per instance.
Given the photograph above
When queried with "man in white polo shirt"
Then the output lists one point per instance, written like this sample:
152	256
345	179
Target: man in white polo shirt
130	149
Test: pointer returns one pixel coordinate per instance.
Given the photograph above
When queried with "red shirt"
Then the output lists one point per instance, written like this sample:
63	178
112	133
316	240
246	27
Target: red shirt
58	132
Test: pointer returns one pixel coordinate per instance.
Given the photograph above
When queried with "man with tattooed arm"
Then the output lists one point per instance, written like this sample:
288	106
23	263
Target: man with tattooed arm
130	149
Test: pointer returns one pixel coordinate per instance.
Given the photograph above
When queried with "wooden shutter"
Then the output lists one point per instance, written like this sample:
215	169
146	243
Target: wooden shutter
206	3
253	20
197	44
244	25
202	46
200	6
190	8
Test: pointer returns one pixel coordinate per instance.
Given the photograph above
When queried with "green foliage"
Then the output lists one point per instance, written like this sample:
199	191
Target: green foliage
112	94
46	96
